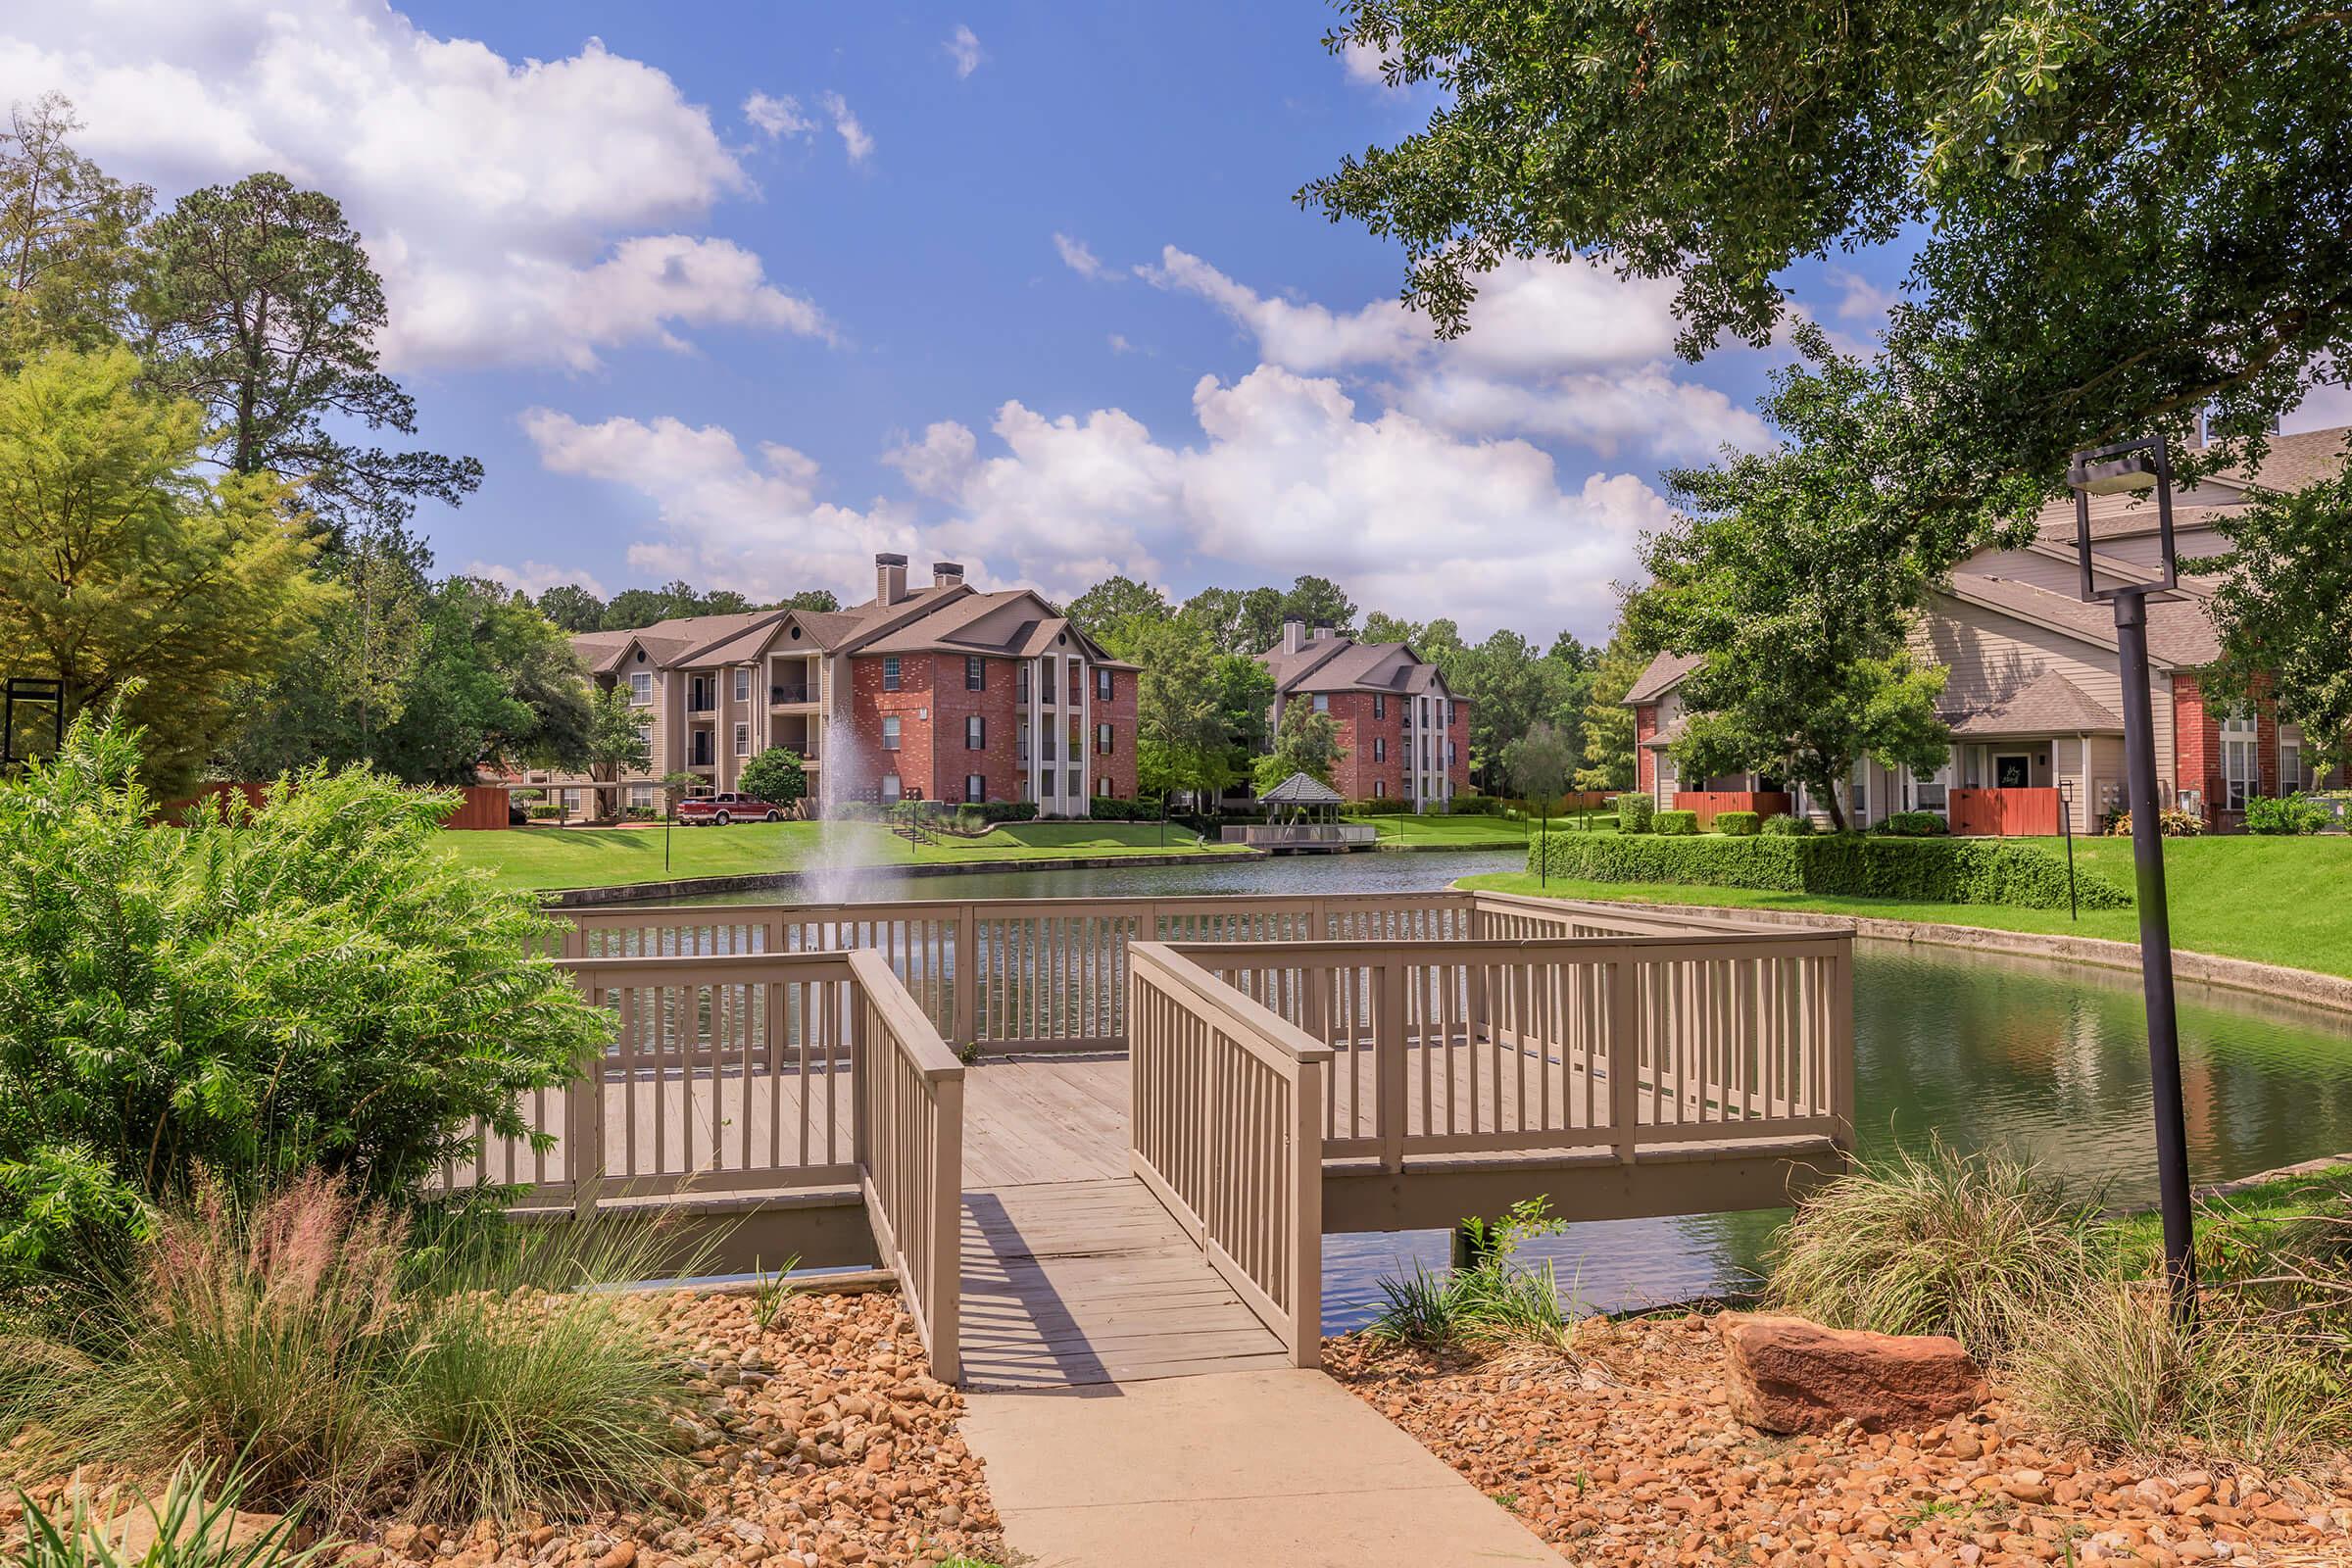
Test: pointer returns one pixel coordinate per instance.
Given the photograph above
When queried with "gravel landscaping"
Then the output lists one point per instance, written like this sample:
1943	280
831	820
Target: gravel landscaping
1630	1456
816	1443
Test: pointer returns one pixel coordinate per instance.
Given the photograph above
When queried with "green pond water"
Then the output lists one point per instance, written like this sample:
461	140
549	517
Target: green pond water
2046	1058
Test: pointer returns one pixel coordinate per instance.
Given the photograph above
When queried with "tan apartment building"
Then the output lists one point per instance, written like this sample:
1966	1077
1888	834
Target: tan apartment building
2033	689
1406	734
940	693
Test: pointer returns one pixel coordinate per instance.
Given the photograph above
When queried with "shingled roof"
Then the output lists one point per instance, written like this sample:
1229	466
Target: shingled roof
1344	664
2050	705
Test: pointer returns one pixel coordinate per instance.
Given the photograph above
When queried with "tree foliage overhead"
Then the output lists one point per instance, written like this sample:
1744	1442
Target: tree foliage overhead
259	303
2281	608
2124	211
120	561
68	250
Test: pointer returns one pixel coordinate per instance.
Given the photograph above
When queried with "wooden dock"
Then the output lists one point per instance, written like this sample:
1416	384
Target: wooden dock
1100	1141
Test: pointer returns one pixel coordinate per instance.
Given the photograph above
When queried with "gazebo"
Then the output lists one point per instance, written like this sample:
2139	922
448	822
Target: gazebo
1301	800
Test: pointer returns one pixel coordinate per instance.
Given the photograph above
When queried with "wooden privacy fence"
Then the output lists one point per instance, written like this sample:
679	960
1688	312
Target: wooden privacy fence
2009	813
742	1072
1225	1120
1711	803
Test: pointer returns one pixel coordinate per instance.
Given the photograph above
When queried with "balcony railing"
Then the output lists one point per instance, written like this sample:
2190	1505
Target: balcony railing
780	696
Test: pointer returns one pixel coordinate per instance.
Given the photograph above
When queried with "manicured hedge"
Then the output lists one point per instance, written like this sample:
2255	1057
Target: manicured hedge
1376	805
1634	812
1914	825
1675	824
1111	808
1738	824
1845	864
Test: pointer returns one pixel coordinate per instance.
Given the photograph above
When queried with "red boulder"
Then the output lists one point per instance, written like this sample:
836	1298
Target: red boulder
1787	1375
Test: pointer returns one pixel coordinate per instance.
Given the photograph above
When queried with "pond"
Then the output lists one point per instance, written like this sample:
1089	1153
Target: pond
2043	1058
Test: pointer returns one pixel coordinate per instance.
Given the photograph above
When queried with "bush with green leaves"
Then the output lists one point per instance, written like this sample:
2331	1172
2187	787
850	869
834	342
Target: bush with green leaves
1787	825
775	775
1738	824
1675	824
1495	1301
309	984
1914	825
1635	813
2286	815
1114	808
1944	870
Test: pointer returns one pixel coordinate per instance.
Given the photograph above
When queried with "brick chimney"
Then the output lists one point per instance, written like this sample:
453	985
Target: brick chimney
947	574
890	578
1323	629
1294	633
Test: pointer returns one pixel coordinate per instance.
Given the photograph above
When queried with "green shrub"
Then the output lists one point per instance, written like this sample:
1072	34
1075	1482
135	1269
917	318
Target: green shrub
1787	825
1915	826
1496	1300
1933	1243
1675	824
1738	824
2287	814
311	983
1377	806
1475	806
1111	808
194	1526
1842	864
1634	813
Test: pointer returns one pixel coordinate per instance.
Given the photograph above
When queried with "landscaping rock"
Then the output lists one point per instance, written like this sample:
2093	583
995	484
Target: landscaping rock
1785	1374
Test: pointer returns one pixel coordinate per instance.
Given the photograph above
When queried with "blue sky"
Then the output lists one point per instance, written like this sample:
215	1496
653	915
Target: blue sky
745	292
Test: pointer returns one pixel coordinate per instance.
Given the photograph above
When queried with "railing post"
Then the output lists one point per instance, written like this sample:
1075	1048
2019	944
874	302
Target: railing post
1389	1064
1625	1056
584	1129
1306	1216
861	1080
944	1309
1315	1002
1842	1038
967	974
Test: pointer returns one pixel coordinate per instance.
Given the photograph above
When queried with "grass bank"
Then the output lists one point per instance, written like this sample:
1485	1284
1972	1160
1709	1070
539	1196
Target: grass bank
548	859
2270	900
1451	832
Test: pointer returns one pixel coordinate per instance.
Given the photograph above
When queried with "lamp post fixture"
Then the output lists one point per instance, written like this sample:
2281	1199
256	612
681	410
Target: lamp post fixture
2137	467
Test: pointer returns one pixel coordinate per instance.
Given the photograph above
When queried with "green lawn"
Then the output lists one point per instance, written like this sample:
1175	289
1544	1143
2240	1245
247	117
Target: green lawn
1453	832
2285	901
2236	1233
541	858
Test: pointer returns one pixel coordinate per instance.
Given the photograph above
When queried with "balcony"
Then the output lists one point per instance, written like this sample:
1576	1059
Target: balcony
701	703
781	696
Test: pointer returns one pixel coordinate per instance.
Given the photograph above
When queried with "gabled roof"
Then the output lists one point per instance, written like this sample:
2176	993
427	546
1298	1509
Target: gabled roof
1302	789
1344	664
2050	705
2181	630
2291	462
1663	674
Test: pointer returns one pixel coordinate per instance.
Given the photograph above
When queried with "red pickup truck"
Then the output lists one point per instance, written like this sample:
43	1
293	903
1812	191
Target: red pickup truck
727	807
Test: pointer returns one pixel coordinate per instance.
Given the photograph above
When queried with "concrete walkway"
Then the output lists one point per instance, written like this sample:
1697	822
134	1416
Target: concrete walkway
1243	1468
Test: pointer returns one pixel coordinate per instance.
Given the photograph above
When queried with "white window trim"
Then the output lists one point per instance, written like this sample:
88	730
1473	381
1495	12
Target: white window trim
892	732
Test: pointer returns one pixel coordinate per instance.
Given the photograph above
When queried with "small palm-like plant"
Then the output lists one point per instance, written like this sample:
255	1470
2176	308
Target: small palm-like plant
196	1524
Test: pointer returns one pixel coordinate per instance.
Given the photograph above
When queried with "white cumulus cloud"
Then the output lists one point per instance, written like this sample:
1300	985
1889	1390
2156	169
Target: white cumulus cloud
508	204
776	116
535	578
963	48
853	137
1080	258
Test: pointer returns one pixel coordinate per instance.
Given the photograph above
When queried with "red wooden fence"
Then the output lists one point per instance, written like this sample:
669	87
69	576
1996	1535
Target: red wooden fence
2004	814
484	806
1710	803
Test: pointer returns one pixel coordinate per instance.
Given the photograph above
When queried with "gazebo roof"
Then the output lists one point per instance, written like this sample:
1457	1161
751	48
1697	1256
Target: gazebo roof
1302	789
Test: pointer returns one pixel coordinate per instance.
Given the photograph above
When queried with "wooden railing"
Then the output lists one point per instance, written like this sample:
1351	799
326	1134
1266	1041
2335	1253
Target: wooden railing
755	1071
1591	1040
911	1154
1015	974
1225	1127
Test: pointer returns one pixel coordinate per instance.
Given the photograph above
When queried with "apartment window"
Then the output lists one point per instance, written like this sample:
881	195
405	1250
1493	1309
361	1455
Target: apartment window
1322	703
701	695
743	740
975	733
572	799
743	684
2294	772
976	788
2242	770
1380	743
1103	784
1380	704
975	673
641	688
1380	789
1450	713
1103	687
1075	786
1044	681
1077	683
645	737
1101	740
1451	754
890	733
1020	685
1857	798
890	672
890	787
641	794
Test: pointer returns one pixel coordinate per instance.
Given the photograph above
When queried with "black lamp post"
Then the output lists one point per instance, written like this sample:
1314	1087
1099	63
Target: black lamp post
2126	468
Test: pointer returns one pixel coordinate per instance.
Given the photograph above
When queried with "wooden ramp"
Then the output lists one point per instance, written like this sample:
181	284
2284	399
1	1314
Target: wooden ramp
1073	1273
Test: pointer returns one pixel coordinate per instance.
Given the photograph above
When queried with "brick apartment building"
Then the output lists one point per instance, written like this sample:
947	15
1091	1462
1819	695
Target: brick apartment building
1406	735
2034	689
943	693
